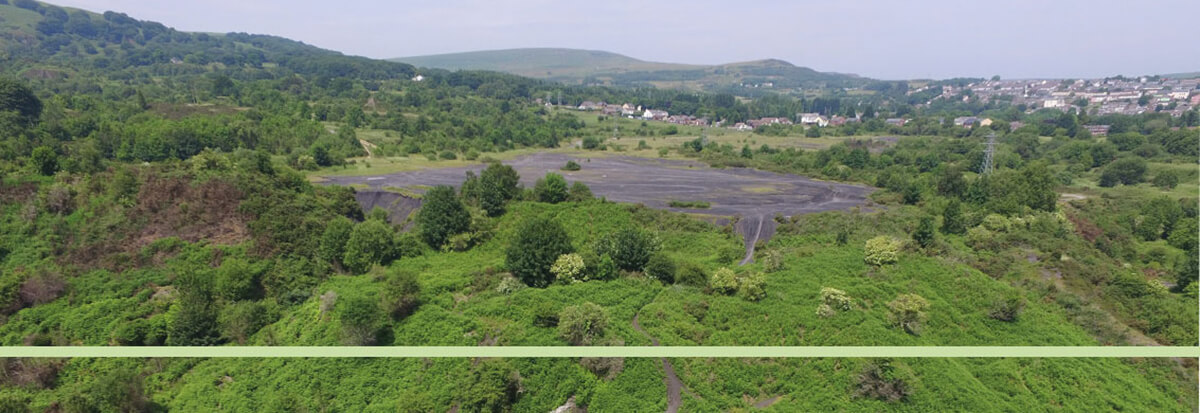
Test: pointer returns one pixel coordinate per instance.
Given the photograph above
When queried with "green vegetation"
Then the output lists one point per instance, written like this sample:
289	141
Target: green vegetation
152	194
689	204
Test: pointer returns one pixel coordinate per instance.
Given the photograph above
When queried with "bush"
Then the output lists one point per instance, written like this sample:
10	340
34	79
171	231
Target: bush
442	215
579	192
772	260
630	248
237	279
582	324
44	160
401	294
497	185
242	319
448	155
333	242
882	250
1128	171
492	385
724	281
691	274
568	268
538	245
661	267
1007	309
907	311
361	320
953	221
925	233
752	287
509	285
1166	179
192	320
877	381
551	189
370	243
571	166
832	301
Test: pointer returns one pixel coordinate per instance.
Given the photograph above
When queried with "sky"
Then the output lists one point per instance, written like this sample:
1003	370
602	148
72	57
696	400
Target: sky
884	39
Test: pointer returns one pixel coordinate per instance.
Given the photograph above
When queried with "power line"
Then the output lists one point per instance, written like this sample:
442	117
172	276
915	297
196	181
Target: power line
989	155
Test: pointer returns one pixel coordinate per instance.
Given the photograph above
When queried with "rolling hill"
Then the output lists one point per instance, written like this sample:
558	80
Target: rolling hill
591	67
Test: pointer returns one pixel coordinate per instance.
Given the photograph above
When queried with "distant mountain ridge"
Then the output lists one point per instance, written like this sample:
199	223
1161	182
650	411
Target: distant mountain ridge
595	67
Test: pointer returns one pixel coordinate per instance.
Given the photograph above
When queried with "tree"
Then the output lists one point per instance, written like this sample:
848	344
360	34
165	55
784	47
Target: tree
539	242
442	215
333	242
401	293
630	248
237	279
1128	171
907	311
579	192
925	233
192	319
370	243
951	182
1166	179
44	160
1039	187
582	324
551	189
498	185
19	98
952	219
661	267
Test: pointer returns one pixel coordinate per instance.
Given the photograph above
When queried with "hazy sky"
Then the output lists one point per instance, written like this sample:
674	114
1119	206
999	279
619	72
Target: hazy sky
886	39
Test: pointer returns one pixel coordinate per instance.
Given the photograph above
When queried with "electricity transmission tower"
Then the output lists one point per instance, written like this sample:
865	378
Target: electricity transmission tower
989	155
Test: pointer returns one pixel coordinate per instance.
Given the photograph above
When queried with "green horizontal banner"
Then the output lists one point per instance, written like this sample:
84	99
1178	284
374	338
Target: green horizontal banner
538	352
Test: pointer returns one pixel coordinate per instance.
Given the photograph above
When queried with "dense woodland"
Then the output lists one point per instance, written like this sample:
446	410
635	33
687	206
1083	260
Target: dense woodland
156	192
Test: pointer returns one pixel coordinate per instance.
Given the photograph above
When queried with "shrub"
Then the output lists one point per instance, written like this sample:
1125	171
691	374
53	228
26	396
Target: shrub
691	274
877	381
44	160
907	311
996	222
724	281
401	293
242	319
1007	309
509	285
953	221
568	268
689	204
582	324
630	248
579	192
571	166
490	386
237	279
333	242
1128	171
752	287
360	318
772	260
545	315
925	233
1166	179
551	189
442	215
882	250
370	243
192	320
832	301
497	185
538	244
661	267
448	155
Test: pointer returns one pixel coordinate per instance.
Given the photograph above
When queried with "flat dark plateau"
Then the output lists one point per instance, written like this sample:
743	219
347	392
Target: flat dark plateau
756	196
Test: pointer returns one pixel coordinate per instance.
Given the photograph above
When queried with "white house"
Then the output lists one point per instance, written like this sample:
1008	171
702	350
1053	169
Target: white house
654	114
813	119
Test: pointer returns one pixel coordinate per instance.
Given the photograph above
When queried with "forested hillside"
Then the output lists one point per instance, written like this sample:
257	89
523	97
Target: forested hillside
161	188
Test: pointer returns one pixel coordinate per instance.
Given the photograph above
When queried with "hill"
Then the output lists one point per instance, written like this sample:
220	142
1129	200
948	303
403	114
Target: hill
591	67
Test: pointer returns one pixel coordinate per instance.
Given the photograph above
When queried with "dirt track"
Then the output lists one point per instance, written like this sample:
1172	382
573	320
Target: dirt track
674	385
756	196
